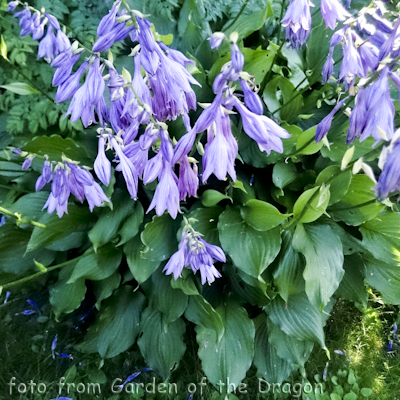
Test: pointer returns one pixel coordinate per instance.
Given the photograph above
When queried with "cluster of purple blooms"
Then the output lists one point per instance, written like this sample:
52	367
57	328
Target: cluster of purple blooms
197	253
161	94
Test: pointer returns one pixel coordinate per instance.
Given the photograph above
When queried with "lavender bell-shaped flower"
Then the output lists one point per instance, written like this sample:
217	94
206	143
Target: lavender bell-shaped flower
237	58
389	179
188	182
251	99
332	11
47	46
45	177
166	196
108	21
351	63
102	165
297	22
324	126
216	40
68	88
176	263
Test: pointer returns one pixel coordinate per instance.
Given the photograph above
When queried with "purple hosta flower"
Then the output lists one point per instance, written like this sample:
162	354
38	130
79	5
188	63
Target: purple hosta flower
62	42
108	21
64	63
46	176
332	11
27	162
176	55
116	85
2	220
26	312
251	99
197	253
358	116
237	58
216	40
369	57
33	304
119	32
53	21
153	168
12	5
129	379
387	47
380	110
8	294
328	67
38	31
261	129
128	170
188	182
389	179
68	88
221	80
184	145
102	165
172	93
381	23
60	191
221	149
297	22
324	126
88	96
166	196
137	156
47	46
351	63
53	346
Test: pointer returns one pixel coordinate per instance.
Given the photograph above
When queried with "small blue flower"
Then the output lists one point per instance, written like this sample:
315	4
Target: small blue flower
26	312
8	294
53	346
129	379
2	220
216	40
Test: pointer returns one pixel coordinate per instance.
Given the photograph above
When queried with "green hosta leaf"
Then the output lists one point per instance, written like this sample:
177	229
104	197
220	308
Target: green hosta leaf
161	343
110	221
72	241
170	302
270	366
338	185
283	174
67	297
20	88
30	205
232	356
298	318
307	136
207	220
261	216
201	312
308	210
212	197
255	250
288	276
104	289
118	325
383	277
288	347
288	111
97	266
131	226
78	219
381	236
159	238
358	205
185	283
54	146
323	251
13	244
352	286
141	267
247	24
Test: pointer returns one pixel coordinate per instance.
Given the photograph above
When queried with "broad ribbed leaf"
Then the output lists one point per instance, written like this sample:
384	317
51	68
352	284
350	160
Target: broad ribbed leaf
252	251
97	266
104	289
232	356
383	277
288	347
269	365
161	343
110	221
352	286
207	220
118	325
298	317
78	219
288	276
212	197
67	297
130	227
30	205
159	238
141	267
338	185
359	203
381	236
323	251
171	302
307	210
261	215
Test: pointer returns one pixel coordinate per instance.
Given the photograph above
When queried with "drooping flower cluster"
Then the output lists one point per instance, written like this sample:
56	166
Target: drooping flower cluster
198	254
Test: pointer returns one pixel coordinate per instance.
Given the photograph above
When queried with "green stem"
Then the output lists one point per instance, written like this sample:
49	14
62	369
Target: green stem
280	19
33	84
20	219
37	274
238	14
